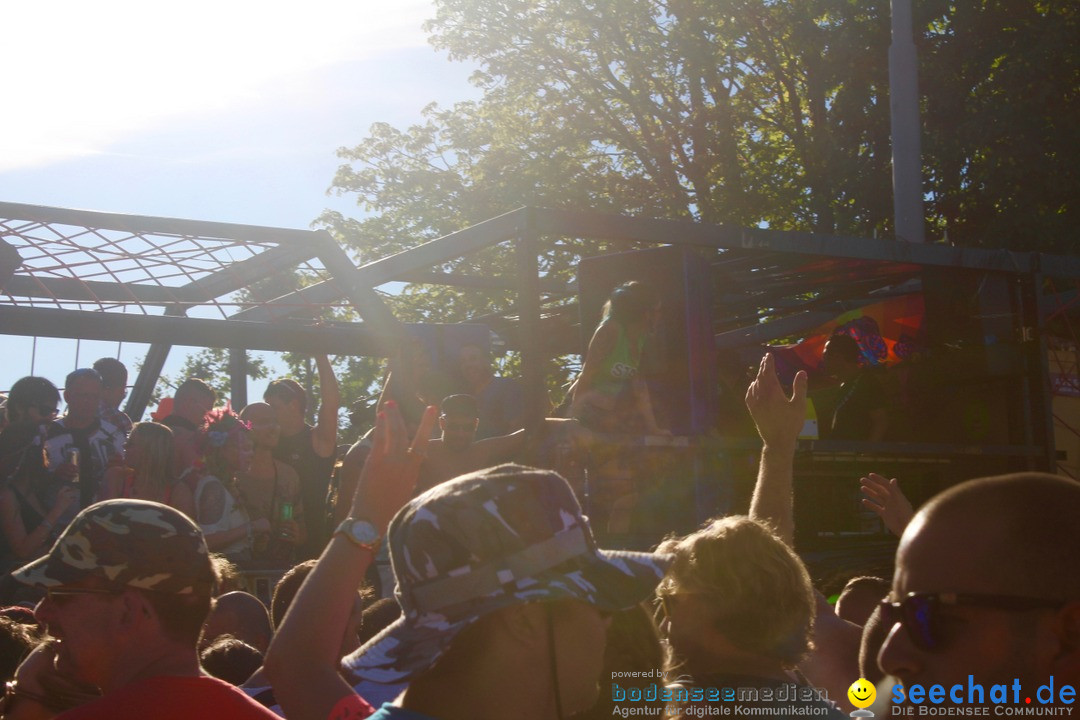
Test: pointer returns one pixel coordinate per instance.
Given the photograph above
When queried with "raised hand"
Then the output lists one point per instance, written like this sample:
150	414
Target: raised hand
393	466
885	498
779	419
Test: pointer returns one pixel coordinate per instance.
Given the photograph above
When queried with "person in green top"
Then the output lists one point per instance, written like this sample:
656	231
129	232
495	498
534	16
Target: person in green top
609	395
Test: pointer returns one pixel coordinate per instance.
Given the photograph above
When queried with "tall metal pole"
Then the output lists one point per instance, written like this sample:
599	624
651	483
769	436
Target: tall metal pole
527	249
906	129
238	390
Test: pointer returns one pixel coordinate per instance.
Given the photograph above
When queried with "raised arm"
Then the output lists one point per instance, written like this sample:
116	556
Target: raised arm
324	436
779	420
302	660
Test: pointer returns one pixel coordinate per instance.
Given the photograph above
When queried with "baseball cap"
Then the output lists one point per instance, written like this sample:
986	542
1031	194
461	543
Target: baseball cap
487	540
127	543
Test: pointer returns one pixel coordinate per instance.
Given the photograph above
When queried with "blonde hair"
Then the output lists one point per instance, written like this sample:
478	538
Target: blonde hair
154	472
758	587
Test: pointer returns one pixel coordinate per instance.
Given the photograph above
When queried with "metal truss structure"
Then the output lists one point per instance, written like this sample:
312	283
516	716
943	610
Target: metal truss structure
165	282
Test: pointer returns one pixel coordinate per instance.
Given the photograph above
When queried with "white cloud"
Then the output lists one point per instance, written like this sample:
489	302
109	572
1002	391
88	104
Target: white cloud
80	76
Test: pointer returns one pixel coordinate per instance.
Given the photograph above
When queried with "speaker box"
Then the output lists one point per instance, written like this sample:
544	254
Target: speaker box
975	311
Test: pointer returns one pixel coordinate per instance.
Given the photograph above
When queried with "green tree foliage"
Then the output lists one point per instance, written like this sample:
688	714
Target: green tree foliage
211	365
752	112
1001	80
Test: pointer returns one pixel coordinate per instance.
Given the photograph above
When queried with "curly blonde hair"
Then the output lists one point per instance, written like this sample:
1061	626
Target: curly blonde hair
758	587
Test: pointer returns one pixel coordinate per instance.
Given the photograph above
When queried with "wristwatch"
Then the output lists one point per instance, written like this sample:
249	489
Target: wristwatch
361	532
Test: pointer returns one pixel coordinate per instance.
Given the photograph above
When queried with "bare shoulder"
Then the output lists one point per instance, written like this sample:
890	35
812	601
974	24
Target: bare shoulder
435	448
606	333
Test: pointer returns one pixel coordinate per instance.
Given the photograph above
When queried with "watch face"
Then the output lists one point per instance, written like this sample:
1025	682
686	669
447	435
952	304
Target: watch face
363	532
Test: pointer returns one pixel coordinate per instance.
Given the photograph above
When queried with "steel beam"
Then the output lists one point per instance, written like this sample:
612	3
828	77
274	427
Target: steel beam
90	291
906	126
196	332
299	303
573	223
205	289
479	236
149	373
238	395
1036	377
392	268
380	321
244	273
148	225
480	282
529	321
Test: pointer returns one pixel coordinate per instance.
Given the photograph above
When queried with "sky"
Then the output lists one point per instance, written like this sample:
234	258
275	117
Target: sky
223	110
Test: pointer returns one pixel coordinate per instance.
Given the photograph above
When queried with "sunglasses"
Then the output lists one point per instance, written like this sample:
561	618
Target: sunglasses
919	613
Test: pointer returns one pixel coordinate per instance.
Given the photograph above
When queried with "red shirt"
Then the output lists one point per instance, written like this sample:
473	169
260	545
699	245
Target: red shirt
173	698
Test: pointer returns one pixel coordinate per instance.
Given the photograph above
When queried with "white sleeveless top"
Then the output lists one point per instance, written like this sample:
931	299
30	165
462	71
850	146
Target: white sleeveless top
233	516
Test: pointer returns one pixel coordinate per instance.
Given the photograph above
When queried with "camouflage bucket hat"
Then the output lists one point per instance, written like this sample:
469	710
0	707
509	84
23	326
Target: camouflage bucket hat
127	543
488	540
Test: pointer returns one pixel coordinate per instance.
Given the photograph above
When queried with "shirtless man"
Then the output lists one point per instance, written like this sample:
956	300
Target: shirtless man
457	451
500	400
269	485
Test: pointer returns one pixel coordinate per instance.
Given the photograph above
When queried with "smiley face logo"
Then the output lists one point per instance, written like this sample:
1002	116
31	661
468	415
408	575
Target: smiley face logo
861	693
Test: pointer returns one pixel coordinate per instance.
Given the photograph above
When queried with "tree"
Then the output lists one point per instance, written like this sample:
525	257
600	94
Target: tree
1002	148
211	365
752	112
734	111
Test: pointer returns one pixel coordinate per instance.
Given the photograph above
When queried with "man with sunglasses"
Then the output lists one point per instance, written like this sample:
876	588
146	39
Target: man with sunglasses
127	588
986	586
33	507
32	402
96	442
986	592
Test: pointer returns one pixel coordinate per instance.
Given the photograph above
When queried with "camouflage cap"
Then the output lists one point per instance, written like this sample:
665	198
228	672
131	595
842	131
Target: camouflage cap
127	543
488	540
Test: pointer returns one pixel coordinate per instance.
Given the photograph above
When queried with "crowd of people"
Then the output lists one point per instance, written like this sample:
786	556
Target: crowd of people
244	479
498	601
